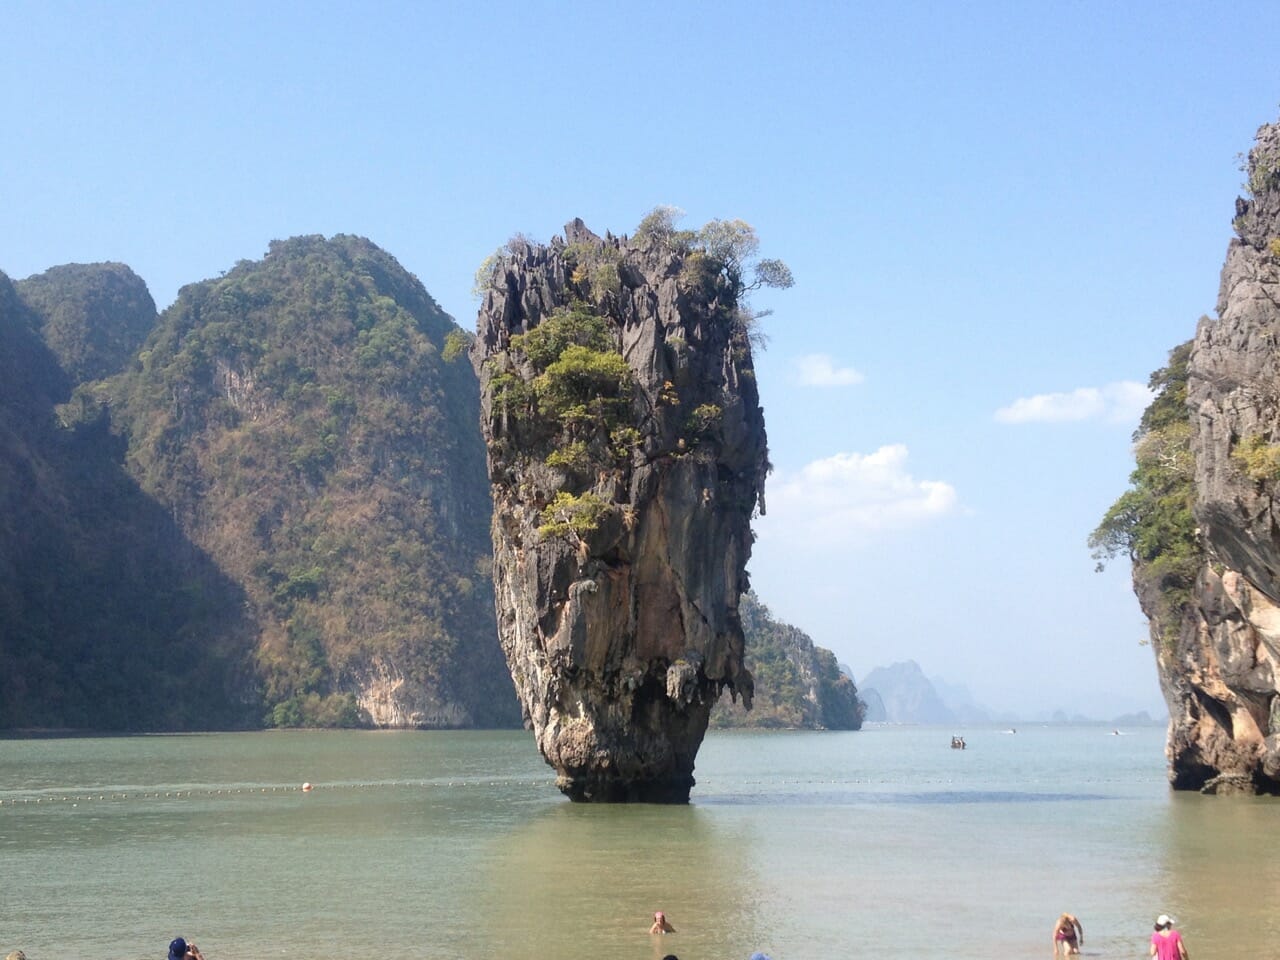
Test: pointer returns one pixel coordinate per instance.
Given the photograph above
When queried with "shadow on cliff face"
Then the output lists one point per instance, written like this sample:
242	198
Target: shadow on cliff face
109	617
585	879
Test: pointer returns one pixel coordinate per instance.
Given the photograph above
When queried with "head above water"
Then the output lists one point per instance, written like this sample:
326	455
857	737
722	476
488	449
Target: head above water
177	948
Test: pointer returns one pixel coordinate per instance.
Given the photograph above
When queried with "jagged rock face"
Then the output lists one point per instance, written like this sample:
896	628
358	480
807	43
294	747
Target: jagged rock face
393	700
624	477
1219	677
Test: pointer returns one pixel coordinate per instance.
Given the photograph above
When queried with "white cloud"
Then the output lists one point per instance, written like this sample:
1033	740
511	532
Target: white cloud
1121	402
850	495
819	370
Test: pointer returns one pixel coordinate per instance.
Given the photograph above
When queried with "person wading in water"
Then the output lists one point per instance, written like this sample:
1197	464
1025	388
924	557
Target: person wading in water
1067	935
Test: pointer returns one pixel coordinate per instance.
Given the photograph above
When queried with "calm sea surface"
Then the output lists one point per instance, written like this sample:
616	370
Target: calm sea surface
884	843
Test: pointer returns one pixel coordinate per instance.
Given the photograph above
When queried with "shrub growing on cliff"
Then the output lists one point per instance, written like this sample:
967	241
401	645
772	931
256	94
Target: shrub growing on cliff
721	247
1152	521
595	269
456	343
584	387
1257	459
574	325
572	515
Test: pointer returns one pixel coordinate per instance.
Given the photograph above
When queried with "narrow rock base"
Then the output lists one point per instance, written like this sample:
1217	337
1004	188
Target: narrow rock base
617	790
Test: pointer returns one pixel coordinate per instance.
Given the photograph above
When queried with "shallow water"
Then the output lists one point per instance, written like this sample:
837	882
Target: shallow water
805	845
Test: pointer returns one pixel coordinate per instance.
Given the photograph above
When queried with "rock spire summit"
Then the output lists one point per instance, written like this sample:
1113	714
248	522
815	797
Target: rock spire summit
627	454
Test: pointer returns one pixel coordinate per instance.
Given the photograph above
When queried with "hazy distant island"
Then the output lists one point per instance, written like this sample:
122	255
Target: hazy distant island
902	693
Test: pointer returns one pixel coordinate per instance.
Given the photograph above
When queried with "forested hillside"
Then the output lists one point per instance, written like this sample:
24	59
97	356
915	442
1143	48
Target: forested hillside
797	684
109	616
93	316
298	419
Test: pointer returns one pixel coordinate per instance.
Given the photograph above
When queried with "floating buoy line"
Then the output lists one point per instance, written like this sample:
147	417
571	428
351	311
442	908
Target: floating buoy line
542	786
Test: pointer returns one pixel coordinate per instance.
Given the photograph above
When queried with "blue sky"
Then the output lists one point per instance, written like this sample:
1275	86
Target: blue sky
1000	216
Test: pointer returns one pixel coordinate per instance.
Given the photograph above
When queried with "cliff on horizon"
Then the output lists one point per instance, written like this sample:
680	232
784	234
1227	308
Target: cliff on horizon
1200	522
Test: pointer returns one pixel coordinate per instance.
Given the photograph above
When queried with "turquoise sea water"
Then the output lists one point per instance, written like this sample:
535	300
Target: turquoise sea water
456	844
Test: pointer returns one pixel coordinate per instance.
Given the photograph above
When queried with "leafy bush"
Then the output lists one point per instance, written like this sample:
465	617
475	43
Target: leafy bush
570	515
705	418
574	325
456	344
573	457
1257	459
1153	521
581	377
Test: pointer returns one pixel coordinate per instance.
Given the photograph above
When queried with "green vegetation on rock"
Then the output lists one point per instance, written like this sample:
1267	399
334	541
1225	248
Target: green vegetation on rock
110	617
93	316
299	417
797	685
1152	522
1257	459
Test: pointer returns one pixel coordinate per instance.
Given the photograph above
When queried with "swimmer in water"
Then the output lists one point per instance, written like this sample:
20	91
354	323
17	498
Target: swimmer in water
1068	934
660	924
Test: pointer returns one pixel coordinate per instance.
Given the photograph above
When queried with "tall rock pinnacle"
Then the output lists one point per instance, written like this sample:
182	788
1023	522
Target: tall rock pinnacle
627	454
1200	521
1221	676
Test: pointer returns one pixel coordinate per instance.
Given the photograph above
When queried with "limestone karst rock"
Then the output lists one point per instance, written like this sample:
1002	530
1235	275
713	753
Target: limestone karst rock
298	419
1219	673
93	316
627	455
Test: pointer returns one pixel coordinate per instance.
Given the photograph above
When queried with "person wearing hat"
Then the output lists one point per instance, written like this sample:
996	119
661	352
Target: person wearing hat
180	949
1166	942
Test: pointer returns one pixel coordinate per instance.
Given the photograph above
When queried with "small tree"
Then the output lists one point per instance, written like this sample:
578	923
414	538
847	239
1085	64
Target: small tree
721	249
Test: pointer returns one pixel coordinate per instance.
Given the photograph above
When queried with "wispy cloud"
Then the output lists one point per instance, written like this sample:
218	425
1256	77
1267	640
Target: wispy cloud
1121	402
851	495
819	370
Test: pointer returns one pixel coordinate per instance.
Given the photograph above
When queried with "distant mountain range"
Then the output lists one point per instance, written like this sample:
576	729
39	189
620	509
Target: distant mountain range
902	693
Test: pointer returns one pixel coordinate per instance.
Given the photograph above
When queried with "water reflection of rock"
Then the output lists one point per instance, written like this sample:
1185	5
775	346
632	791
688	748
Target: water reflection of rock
1220	874
582	881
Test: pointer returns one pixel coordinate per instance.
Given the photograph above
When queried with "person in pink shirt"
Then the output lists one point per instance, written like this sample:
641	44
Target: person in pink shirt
1166	942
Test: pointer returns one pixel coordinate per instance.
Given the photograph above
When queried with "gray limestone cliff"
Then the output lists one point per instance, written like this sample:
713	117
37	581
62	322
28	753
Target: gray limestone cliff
627	454
1218	666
